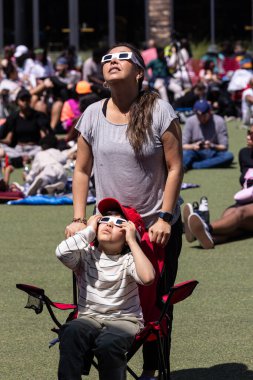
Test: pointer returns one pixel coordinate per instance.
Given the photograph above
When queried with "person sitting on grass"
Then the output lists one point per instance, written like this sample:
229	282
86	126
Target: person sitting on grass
235	222
23	130
205	139
108	263
5	171
48	174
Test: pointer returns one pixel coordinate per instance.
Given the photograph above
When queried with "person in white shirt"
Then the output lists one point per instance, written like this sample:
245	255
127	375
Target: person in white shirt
108	270
92	69
247	104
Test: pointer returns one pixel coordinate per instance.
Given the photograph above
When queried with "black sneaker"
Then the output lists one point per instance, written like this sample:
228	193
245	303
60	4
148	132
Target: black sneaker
203	210
200	231
187	211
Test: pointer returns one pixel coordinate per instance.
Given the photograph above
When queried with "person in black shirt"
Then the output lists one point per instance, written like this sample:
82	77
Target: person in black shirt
23	130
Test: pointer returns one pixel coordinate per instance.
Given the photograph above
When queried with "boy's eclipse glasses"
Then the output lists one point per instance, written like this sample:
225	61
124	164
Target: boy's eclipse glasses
124	55
116	220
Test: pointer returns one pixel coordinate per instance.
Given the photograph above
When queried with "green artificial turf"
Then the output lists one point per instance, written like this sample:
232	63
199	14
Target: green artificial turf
212	334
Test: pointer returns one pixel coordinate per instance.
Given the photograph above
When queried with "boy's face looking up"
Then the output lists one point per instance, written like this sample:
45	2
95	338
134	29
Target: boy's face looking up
110	235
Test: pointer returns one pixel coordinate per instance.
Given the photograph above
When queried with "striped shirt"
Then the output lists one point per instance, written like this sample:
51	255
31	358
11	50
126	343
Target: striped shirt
107	283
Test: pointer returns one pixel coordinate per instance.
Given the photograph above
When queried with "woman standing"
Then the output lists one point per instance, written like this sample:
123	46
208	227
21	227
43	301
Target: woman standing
133	142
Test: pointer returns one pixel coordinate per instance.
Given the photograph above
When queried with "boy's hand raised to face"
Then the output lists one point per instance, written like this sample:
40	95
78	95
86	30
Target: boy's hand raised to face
130	231
93	221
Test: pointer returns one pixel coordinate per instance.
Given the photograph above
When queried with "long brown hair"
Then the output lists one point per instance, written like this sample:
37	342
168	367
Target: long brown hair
139	128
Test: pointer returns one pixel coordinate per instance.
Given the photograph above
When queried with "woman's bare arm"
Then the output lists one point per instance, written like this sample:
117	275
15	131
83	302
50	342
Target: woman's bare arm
81	179
160	231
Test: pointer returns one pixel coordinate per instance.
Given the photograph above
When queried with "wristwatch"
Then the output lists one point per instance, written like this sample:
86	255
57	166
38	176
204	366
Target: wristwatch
166	216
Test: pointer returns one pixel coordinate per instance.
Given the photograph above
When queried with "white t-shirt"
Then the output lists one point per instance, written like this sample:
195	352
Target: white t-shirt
247	108
12	86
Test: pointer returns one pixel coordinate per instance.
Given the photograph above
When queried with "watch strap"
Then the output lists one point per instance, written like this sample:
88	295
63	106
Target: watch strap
166	216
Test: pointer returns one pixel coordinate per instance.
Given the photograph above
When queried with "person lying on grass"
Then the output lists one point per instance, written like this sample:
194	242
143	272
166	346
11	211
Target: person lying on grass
236	221
108	263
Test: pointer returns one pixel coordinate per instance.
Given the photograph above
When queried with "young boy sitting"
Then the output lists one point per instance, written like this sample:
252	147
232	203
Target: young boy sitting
109	311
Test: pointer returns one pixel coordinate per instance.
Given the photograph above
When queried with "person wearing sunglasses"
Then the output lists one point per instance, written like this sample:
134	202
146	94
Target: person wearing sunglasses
133	143
108	271
236	222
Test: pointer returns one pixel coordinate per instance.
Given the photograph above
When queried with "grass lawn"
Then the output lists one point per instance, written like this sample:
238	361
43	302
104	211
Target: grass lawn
212	336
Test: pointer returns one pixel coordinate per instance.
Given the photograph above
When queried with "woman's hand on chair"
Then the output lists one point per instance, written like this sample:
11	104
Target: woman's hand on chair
73	228
159	232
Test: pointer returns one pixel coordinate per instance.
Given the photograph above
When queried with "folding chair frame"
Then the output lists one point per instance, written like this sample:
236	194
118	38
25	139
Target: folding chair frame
154	329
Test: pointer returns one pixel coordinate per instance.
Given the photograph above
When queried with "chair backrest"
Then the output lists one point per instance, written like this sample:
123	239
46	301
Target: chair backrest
181	291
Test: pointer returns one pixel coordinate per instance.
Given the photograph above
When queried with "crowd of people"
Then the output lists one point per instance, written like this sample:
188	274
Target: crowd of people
112	115
39	97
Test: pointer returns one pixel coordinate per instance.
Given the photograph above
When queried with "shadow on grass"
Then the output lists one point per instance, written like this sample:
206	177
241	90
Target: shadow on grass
227	371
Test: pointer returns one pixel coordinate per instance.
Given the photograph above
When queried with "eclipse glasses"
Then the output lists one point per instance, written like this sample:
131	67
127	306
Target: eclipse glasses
122	56
116	220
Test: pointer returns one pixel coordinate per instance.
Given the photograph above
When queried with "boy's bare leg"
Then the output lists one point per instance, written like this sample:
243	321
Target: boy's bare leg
56	113
7	174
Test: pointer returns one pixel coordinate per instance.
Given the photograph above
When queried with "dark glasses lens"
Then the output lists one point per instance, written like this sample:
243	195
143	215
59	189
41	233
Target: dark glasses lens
105	219
124	55
119	222
107	57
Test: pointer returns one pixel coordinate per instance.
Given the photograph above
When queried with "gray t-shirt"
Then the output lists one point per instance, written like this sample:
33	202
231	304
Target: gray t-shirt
136	182
215	130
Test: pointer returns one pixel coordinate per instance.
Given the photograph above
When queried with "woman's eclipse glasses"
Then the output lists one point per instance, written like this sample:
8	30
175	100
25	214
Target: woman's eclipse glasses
122	56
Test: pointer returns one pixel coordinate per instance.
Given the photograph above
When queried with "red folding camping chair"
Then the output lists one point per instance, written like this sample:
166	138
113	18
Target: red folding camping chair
153	330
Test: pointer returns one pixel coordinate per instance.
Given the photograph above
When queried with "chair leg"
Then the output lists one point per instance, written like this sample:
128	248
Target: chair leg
166	345
132	373
162	372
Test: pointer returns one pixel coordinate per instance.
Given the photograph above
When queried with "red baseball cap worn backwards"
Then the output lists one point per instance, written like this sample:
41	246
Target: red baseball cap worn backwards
111	204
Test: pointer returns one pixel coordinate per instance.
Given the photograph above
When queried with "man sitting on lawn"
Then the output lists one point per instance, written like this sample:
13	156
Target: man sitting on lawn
205	139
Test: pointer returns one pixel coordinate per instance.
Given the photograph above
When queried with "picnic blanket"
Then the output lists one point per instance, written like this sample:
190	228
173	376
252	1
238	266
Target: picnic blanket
55	200
186	185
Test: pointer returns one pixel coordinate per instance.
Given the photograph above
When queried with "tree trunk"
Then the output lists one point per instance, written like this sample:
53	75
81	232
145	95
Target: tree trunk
160	13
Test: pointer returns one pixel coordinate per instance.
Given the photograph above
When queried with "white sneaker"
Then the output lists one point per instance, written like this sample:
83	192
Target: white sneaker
200	231
54	188
203	210
34	187
187	211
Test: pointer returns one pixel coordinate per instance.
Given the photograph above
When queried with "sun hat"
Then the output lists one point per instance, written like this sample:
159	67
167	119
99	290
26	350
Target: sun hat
111	204
201	106
20	50
83	87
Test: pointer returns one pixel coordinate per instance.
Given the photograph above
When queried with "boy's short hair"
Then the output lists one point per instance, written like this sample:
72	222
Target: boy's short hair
111	204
